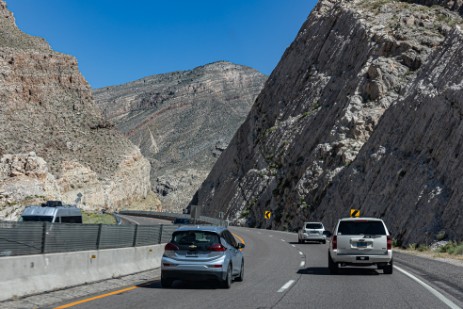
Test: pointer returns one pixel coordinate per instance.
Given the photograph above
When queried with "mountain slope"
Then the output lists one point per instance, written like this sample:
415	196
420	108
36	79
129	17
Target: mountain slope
182	121
54	143
303	152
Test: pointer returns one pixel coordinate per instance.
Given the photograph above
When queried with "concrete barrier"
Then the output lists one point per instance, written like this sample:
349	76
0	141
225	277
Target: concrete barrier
33	274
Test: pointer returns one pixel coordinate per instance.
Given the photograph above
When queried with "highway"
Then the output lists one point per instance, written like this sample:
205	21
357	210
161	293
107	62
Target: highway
279	273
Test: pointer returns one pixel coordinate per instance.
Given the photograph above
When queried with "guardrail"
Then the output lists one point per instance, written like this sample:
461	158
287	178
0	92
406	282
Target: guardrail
172	216
25	238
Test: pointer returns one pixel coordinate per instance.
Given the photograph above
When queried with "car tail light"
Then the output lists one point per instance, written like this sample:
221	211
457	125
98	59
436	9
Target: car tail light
171	247
334	242
216	247
389	243
216	266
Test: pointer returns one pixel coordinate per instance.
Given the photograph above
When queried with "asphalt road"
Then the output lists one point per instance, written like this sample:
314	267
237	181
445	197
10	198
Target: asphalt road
279	273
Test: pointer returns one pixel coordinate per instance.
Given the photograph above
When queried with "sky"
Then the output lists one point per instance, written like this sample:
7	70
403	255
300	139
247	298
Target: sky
120	41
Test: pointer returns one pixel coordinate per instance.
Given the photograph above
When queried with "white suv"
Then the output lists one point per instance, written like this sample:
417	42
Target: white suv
360	242
312	231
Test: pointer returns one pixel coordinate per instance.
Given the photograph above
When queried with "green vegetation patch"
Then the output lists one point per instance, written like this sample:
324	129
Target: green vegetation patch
97	218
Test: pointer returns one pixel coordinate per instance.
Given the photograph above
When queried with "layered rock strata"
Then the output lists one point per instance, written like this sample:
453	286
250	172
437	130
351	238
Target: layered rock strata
47	108
355	115
182	121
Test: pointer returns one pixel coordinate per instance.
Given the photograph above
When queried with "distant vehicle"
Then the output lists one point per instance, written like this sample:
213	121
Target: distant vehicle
181	221
312	231
52	211
200	253
360	242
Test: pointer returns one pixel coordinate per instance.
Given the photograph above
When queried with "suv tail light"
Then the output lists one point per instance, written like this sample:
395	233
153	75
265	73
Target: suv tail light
334	242
389	242
171	247
216	247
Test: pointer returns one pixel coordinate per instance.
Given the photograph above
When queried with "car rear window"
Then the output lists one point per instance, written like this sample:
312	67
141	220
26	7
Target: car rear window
361	228
186	240
314	226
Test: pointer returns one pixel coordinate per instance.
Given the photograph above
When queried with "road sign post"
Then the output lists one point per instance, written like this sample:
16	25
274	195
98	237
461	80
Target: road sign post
267	214
354	213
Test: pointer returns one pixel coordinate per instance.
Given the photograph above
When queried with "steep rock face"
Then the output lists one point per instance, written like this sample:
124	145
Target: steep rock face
47	108
350	62
182	121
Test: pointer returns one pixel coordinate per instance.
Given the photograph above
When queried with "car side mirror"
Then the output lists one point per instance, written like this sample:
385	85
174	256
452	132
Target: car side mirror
240	246
327	233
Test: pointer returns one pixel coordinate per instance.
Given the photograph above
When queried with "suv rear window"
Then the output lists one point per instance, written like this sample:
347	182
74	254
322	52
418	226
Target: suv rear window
361	228
201	239
314	226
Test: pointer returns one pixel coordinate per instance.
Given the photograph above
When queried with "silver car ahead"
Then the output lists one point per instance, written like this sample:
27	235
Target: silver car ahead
201	253
312	231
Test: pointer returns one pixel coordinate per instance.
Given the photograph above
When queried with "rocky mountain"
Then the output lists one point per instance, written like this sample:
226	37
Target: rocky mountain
182	121
54	142
363	111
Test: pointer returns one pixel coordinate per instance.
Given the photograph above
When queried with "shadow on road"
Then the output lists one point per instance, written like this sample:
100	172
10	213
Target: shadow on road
305	243
324	271
191	285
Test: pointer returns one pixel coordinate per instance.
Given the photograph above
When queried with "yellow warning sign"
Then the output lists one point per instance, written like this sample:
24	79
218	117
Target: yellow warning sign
354	213
267	214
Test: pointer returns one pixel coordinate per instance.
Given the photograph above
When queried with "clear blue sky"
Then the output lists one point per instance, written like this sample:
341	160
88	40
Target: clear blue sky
119	41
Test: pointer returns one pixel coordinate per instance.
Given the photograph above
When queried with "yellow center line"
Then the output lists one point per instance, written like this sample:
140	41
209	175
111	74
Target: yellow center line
96	297
240	239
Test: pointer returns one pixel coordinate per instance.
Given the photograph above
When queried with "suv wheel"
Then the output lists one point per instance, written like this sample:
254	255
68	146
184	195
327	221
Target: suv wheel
388	269
324	241
334	268
226	284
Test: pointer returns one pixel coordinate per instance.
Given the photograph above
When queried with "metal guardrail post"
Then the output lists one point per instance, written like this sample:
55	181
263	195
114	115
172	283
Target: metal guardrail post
44	238
135	236
98	238
160	233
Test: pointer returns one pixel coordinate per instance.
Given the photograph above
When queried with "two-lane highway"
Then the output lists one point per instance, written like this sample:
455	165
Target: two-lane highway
279	273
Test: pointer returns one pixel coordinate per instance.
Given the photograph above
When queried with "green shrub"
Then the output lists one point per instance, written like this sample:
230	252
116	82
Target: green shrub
456	249
96	218
422	248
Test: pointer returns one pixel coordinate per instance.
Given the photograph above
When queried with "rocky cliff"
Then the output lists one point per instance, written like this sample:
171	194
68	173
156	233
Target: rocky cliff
182	121
54	143
363	111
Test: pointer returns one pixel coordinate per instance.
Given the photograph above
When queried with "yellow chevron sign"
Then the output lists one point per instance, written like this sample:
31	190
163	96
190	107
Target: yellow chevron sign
267	214
354	213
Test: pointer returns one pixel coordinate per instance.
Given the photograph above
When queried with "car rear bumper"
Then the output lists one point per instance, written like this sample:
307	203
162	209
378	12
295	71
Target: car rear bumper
313	237
362	259
174	269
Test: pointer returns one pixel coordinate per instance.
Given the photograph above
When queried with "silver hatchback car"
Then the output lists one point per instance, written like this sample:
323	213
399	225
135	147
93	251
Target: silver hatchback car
201	253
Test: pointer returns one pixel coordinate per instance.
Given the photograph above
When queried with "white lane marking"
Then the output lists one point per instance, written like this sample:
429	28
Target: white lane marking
301	253
293	246
286	286
434	292
302	264
283	240
270	235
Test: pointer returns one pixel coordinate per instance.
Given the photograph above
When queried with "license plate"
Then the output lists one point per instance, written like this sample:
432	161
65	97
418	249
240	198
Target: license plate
361	244
191	254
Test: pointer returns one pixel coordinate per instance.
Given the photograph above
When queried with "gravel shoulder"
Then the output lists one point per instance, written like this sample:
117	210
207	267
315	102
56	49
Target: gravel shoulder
442	272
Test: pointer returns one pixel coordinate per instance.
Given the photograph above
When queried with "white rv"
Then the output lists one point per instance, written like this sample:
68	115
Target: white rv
52	211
